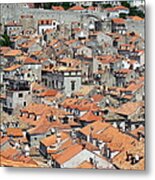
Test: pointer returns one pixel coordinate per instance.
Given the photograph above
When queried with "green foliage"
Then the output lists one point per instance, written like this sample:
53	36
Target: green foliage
66	5
106	5
135	12
122	15
47	5
5	40
126	4
37	5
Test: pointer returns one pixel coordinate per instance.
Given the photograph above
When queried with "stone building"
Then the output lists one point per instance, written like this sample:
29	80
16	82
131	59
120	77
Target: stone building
18	94
67	79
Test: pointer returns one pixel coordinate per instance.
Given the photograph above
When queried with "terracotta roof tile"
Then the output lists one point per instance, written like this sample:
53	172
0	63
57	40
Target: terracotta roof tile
13	52
129	108
121	8
67	154
15	132
76	8
57	8
97	97
12	68
90	116
118	20
95	127
48	141
31	61
85	165
50	92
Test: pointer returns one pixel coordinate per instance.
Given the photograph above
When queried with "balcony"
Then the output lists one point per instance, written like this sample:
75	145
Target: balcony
18	85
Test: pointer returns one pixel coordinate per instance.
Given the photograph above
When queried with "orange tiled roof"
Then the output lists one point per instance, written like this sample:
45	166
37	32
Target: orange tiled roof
10	153
110	9
31	61
97	97
134	87
121	162
106	59
67	154
85	165
136	18
4	49
48	141
70	62
16	132
28	44
90	116
37	87
118	20
3	140
76	8
50	92
12	68
121	8
13	52
84	105
61	69
96	126
43	127
15	163
57	8
129	108
84	90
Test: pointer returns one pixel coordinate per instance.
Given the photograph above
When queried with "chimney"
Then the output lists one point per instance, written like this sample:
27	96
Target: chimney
139	136
58	136
83	146
135	159
128	156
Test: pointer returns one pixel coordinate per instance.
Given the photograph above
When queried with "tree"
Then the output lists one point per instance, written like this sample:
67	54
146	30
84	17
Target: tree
47	5
136	12
122	15
67	5
5	40
126	4
106	5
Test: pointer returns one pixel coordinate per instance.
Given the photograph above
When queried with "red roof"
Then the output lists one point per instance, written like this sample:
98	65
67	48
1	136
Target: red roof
118	20
68	153
57	8
76	8
90	116
110	9
31	61
50	92
121	8
97	97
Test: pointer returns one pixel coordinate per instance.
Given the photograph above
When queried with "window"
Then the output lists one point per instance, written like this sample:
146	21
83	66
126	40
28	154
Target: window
45	82
24	103
62	84
99	67
49	84
72	85
56	83
20	95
